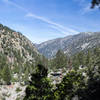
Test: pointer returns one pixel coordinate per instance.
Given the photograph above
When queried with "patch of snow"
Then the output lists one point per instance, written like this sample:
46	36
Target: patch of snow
89	33
84	46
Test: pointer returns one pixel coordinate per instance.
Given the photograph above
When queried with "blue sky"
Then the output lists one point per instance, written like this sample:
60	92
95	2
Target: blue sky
42	20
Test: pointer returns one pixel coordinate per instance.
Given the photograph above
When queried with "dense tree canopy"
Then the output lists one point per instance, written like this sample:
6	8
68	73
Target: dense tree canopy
59	60
39	87
95	3
7	75
69	85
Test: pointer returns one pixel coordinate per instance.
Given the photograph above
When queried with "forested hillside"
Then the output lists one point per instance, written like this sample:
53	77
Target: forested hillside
18	55
79	81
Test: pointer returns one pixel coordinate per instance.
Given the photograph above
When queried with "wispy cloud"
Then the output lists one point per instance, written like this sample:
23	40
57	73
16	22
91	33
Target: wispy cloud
88	9
59	27
16	5
54	25
85	6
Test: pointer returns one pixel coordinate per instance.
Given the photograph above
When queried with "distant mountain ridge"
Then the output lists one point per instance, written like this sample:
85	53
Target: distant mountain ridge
70	44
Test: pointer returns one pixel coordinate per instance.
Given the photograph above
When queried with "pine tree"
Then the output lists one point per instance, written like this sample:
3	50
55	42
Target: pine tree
7	75
69	85
89	59
92	89
78	59
97	56
60	60
26	76
39	87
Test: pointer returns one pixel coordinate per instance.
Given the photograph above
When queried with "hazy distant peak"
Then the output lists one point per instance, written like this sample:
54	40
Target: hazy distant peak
70	44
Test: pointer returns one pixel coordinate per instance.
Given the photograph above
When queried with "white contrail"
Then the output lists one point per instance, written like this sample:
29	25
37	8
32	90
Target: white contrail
55	25
58	27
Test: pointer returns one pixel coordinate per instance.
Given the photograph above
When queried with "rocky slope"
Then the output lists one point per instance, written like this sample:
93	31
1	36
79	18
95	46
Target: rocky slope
16	52
70	44
12	42
12	92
